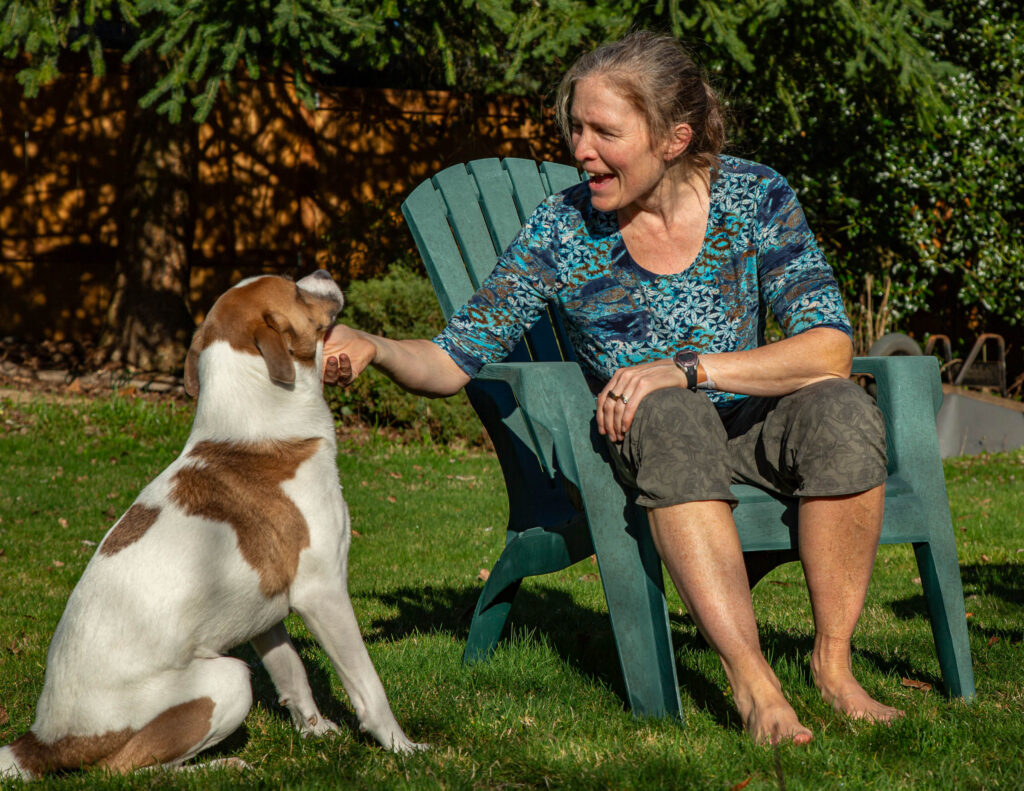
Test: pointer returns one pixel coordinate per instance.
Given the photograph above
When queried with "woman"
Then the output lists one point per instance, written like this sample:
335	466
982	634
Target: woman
663	264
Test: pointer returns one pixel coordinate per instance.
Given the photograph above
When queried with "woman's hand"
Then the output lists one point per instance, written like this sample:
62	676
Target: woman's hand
346	353
617	402
415	364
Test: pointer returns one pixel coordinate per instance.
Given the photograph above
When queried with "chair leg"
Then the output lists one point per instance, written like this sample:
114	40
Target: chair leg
943	592
492	609
632	577
532	552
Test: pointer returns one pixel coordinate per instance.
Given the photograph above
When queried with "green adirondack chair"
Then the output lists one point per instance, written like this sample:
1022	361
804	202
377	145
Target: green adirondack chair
539	412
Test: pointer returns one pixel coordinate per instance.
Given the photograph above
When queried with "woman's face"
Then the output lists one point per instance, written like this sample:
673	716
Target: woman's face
611	142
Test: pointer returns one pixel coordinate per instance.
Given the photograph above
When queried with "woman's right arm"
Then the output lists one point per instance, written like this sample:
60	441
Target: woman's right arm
416	364
485	329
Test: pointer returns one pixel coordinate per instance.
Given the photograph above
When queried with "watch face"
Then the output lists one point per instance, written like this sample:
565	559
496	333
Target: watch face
686	359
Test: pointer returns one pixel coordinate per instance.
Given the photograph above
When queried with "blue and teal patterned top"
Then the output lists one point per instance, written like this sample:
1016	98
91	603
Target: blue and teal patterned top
758	254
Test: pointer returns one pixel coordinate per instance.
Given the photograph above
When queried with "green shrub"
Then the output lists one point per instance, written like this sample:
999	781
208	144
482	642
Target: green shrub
401	304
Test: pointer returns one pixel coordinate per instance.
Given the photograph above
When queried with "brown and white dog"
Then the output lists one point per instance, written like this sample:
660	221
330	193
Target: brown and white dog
247	524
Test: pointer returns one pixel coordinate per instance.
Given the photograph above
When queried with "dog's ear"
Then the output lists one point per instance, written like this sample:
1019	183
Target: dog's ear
270	339
192	364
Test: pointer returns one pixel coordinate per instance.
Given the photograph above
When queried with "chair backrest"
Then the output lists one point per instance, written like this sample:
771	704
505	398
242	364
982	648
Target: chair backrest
465	216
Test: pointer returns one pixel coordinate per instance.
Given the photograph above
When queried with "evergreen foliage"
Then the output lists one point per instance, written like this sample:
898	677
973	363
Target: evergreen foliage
899	122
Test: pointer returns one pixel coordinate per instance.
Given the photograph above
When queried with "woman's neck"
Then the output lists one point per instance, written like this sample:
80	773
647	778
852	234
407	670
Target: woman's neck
664	232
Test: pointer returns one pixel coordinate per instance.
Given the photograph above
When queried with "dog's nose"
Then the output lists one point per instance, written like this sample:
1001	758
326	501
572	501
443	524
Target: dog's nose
321	284
319	281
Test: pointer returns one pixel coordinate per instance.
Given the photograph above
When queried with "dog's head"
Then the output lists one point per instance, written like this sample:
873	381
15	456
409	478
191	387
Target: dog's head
279	319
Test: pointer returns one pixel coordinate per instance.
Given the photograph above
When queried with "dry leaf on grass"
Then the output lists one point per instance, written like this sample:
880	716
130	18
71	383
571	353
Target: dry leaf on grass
924	686
993	640
4	718
740	785
484	575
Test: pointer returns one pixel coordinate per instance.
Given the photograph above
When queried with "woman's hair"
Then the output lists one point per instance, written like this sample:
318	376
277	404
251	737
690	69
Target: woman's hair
657	76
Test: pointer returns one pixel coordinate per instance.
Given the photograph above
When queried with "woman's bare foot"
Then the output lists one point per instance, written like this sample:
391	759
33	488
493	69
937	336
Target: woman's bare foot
770	719
841	690
848	697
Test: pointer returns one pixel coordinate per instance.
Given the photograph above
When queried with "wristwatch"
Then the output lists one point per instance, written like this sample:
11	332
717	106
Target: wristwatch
687	363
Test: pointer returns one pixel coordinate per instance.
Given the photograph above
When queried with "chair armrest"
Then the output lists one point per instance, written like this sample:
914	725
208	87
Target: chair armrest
909	393
554	400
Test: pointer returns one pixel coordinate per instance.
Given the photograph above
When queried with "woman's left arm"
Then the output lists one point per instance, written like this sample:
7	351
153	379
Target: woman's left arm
784	366
779	368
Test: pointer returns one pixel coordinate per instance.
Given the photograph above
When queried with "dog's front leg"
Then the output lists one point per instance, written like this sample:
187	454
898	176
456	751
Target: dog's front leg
288	673
329	615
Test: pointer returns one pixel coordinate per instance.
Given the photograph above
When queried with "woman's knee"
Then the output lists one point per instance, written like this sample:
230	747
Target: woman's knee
678	412
837	439
676	448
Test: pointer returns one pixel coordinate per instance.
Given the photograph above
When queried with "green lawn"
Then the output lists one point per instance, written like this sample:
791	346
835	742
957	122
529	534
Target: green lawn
546	711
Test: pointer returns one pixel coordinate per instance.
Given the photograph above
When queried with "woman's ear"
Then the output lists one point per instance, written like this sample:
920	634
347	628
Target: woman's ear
678	141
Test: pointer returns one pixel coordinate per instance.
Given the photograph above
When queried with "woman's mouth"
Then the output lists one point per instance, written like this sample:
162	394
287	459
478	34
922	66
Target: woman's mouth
600	180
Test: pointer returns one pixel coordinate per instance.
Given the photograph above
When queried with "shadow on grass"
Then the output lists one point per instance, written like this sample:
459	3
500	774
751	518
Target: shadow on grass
582	637
1004	580
1000	580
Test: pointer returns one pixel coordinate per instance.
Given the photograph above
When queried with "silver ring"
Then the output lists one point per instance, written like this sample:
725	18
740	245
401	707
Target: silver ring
625	400
614	396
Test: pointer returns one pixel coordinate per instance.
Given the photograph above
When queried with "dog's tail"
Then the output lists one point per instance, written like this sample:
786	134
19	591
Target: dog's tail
10	767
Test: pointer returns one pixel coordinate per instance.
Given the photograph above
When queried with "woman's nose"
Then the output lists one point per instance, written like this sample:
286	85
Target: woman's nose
583	149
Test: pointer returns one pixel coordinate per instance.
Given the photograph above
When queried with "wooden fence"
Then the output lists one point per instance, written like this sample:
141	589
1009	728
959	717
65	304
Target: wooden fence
278	187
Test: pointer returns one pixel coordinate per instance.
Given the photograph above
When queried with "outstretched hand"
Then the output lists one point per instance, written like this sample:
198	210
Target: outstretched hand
346	354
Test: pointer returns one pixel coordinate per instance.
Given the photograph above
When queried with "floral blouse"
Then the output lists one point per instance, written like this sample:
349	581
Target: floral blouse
758	255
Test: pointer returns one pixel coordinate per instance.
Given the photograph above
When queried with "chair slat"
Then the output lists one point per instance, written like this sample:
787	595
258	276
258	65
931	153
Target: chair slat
527	187
463	202
496	199
558	177
426	215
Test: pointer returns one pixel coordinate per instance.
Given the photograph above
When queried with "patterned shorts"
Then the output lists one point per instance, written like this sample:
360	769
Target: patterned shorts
824	440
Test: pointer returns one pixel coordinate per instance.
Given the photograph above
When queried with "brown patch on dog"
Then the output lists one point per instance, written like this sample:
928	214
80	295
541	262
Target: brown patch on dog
166	737
270	316
240	484
129	528
70	752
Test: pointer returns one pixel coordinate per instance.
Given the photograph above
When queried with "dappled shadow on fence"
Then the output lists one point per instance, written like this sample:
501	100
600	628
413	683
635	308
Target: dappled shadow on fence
277	187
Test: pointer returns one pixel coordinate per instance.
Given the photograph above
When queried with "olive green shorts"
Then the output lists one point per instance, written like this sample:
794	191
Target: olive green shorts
824	440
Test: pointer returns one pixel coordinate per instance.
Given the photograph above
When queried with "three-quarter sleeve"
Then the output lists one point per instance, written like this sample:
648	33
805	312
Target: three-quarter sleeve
796	281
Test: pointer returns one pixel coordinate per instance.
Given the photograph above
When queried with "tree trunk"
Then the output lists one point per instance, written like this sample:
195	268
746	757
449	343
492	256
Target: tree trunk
148	323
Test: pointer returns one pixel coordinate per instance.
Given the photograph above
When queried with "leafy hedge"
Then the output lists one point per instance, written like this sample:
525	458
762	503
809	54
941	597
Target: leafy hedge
903	138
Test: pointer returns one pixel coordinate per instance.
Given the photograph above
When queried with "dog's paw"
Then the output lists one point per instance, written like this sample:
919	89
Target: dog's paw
407	747
317	726
232	762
